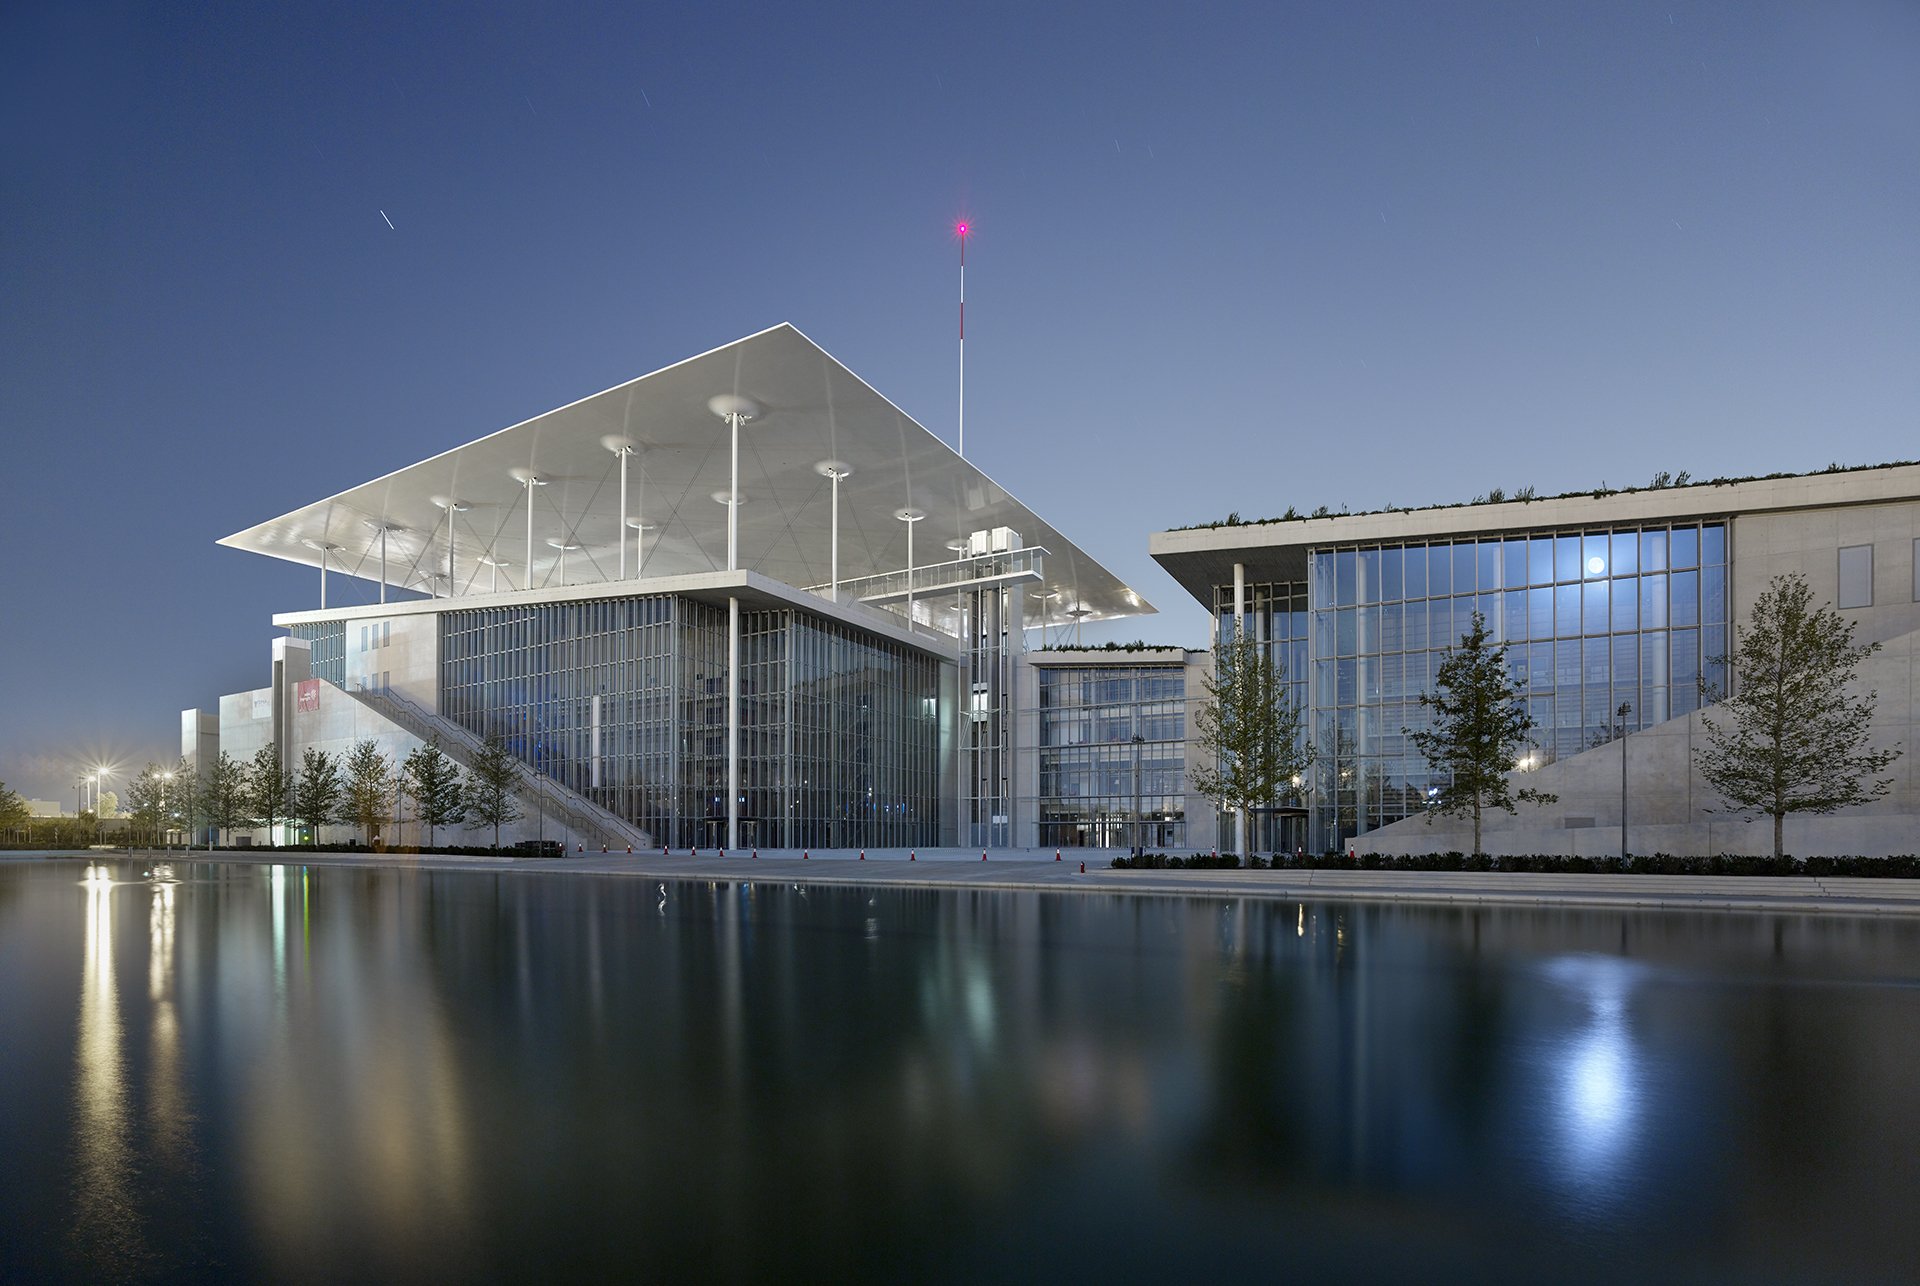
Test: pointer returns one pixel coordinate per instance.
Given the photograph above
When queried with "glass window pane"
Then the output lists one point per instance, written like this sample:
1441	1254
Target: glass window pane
1594	607
1856	576
1487	555
1392	637
1540	667
1593	556
1686	659
1713	595
1566	610
1653	602
1343	575
1626	604
1347	630
1463	569
1439	570
1513	615
1566	666
1566	558
1685	549
1625	554
1653	551
1514	556
1540	613
1686	598
1416	572
1418	635
1392	584
1713	545
1626	667
1369	576
1654	671
1540	561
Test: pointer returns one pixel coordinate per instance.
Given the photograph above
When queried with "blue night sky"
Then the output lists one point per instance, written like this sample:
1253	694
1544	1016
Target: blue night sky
1227	258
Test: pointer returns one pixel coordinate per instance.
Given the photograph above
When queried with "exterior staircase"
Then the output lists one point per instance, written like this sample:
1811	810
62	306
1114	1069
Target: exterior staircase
537	793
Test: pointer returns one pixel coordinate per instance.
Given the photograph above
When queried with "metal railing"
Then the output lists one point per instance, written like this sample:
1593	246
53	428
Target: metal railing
981	569
580	814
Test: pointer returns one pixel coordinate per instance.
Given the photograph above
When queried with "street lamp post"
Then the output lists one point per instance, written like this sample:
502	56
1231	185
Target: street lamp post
1626	708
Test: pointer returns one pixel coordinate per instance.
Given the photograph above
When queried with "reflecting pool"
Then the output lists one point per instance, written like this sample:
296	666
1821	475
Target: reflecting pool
228	1071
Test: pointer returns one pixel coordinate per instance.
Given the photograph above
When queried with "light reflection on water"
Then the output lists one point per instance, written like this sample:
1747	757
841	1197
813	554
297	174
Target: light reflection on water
353	1073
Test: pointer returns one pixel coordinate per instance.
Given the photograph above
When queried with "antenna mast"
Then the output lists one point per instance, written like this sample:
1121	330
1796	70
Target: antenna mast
962	229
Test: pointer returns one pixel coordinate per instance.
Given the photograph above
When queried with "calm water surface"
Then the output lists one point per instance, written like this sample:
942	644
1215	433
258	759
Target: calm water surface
334	1073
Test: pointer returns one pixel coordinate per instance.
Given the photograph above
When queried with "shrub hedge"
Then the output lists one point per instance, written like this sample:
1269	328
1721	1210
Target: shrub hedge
1899	866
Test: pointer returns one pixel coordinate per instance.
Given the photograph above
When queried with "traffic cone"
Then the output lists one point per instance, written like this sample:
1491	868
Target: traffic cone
863	854
1056	854
804	855
911	857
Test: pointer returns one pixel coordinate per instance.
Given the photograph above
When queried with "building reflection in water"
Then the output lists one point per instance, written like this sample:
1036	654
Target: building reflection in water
105	1215
468	1074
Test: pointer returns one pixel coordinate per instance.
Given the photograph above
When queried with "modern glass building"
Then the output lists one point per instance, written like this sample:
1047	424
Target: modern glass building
1616	610
742	601
1109	732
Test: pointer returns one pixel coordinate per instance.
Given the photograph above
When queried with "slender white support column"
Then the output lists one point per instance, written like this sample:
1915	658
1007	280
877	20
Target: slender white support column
735	410
453	506
323	578
733	722
528	480
835	471
1239	600
910	517
383	562
623	447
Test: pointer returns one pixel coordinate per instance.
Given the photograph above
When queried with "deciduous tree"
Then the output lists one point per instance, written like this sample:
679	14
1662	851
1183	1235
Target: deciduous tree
1252	735
223	801
369	789
1795	736
434	782
316	792
490	787
1479	726
269	787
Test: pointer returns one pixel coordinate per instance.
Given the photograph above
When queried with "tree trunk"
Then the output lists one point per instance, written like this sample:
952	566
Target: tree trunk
1779	835
1476	828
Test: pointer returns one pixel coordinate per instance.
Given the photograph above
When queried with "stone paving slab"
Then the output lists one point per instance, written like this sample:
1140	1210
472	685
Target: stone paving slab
952	868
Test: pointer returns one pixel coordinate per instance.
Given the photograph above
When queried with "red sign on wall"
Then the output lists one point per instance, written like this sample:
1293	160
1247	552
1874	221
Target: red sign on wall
306	694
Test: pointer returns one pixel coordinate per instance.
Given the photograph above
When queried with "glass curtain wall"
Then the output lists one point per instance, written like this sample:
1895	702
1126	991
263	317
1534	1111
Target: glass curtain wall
1276	617
1592	619
625	701
1089	717
327	649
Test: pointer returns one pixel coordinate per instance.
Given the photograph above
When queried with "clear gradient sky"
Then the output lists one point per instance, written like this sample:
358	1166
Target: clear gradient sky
1226	258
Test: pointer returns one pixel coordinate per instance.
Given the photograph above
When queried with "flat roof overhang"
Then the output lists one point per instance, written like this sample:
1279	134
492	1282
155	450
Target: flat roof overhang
1202	557
811	410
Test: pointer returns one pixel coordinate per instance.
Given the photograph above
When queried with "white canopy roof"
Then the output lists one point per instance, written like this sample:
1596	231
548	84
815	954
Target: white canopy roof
810	410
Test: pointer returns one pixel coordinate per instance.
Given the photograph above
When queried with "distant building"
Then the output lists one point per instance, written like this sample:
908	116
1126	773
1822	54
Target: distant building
1105	734
1604	600
45	808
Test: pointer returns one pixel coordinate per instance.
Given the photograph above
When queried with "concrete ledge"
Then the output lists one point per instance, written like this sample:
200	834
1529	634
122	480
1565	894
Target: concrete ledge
1023	871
